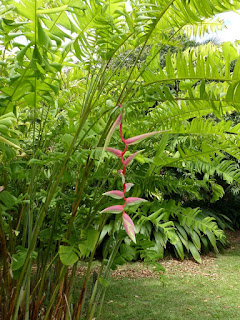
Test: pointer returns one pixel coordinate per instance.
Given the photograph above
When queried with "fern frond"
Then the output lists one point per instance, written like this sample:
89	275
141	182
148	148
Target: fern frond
226	169
206	153
199	29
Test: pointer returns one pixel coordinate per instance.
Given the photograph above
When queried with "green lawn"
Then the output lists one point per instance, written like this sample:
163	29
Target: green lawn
191	291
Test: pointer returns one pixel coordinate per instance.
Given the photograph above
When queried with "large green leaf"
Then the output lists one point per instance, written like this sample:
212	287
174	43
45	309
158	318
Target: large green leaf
194	252
68	255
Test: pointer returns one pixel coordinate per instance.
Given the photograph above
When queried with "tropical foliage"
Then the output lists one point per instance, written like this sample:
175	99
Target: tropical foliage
65	68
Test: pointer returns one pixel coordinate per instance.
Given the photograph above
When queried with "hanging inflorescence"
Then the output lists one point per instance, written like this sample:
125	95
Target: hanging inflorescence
118	194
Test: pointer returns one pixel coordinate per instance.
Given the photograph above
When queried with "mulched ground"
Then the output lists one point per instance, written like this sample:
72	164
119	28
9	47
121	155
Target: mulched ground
172	266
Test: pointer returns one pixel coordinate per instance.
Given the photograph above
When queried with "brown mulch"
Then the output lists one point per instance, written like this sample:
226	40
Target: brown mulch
172	266
208	268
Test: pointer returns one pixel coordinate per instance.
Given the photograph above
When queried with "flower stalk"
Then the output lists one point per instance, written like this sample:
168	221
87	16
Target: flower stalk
121	194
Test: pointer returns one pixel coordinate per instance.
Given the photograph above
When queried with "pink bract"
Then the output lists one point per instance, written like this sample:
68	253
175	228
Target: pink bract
116	152
114	209
134	200
140	137
116	123
129	226
116	194
129	186
122	175
129	159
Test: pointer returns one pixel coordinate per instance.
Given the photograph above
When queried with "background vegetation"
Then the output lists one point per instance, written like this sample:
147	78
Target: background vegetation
65	66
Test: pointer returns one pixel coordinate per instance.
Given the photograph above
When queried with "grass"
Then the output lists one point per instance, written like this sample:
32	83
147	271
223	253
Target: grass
191	291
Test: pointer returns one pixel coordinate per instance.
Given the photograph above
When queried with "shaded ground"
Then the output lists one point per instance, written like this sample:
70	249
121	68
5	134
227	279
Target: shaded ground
191	291
208	268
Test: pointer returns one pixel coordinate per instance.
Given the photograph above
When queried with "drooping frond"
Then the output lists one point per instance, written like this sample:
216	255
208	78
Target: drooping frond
226	169
182	228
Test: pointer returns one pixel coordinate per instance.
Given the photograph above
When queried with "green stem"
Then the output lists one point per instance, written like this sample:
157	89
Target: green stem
101	304
84	290
61	277
43	210
3	269
92	306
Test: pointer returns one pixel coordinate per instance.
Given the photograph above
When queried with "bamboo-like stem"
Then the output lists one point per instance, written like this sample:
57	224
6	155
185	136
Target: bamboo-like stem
101	303
83	291
5	288
45	260
41	283
92	308
43	210
61	277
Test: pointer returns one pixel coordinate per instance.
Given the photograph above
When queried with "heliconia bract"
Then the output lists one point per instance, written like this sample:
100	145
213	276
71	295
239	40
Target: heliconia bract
116	194
130	158
133	200
116	152
110	133
122	176
128	186
140	137
116	123
129	227
114	209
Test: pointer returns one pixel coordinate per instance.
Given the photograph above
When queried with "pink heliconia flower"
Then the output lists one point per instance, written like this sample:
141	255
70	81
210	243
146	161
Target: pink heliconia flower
114	209
116	123
116	152
133	200
141	137
116	194
129	186
129	227
122	175
111	131
129	159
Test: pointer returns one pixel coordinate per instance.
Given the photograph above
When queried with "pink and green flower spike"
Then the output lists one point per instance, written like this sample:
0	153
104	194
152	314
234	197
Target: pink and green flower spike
120	194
